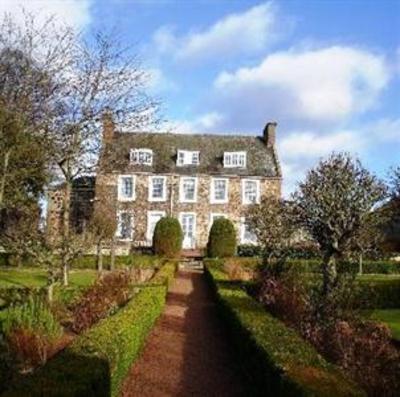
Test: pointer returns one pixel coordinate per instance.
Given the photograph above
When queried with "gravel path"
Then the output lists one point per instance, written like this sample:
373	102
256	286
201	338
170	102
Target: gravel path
187	353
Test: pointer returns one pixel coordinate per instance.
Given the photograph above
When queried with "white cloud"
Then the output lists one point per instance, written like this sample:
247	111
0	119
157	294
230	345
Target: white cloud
236	34
74	13
201	124
311	144
300	150
384	130
327	84
159	82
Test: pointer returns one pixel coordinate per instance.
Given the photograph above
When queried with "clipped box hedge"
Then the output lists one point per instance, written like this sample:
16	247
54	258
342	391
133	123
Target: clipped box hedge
380	293
96	362
90	261
277	361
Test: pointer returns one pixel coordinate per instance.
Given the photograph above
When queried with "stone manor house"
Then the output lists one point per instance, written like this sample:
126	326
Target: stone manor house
195	178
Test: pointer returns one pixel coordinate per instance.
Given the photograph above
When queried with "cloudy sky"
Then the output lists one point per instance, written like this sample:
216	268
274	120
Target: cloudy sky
328	71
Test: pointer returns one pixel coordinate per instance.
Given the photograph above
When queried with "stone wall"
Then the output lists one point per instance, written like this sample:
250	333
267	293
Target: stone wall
55	199
234	209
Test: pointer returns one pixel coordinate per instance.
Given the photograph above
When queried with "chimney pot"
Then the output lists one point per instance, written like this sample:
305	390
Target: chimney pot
270	133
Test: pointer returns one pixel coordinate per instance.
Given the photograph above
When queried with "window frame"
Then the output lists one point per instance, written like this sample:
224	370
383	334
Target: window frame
245	201
187	154
143	150
213	200
243	240
182	198
150	188
118	231
238	153
119	186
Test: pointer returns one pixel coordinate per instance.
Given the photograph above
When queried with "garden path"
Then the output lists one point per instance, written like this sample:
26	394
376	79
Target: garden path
187	353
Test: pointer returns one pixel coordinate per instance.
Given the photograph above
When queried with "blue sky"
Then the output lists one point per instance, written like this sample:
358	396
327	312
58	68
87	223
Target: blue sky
327	71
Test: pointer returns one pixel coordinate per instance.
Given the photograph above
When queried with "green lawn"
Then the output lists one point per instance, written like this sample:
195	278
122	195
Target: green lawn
391	317
37	277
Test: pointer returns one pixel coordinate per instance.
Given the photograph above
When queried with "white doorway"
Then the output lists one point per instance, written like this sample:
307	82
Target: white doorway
152	218
188	224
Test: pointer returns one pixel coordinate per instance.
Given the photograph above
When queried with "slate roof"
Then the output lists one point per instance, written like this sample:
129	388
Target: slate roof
261	160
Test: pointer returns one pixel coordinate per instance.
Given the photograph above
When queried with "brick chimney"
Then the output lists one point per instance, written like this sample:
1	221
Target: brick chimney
270	133
108	126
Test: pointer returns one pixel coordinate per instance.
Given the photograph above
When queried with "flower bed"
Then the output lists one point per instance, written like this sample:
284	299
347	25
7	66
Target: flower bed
276	359
97	361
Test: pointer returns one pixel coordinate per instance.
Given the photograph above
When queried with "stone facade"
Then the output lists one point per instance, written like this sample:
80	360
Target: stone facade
234	209
261	165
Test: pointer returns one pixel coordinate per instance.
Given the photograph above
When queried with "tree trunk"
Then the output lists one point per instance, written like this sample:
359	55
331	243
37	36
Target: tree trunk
66	231
65	274
329	273
50	292
360	264
99	256
112	253
4	176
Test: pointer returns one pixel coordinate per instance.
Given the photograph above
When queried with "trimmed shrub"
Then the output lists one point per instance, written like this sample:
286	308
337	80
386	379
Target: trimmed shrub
97	362
168	237
380	293
123	261
276	359
222	239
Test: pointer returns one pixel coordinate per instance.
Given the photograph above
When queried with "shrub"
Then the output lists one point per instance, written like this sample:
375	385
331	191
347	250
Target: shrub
97	362
106	295
379	293
18	295
222	239
249	250
30	331
330	323
4	259
122	261
168	237
276	359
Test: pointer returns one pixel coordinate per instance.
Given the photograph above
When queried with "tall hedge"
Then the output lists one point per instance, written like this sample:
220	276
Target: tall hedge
222	239
168	237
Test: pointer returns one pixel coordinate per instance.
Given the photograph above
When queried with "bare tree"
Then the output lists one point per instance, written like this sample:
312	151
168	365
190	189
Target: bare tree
103	75
333	204
271	221
103	224
80	79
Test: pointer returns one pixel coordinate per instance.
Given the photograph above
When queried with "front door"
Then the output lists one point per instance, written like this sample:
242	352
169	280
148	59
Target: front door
152	218
188	223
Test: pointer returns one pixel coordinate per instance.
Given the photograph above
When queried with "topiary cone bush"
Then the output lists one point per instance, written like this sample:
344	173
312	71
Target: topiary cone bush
168	237
222	239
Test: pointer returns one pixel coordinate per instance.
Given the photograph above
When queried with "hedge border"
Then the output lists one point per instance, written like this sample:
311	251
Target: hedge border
275	358
89	261
97	362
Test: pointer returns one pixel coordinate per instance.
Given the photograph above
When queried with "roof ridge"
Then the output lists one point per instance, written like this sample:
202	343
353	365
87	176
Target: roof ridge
219	135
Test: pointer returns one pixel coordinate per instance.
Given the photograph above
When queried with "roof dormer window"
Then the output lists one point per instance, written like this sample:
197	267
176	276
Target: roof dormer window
235	159
141	156
188	157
